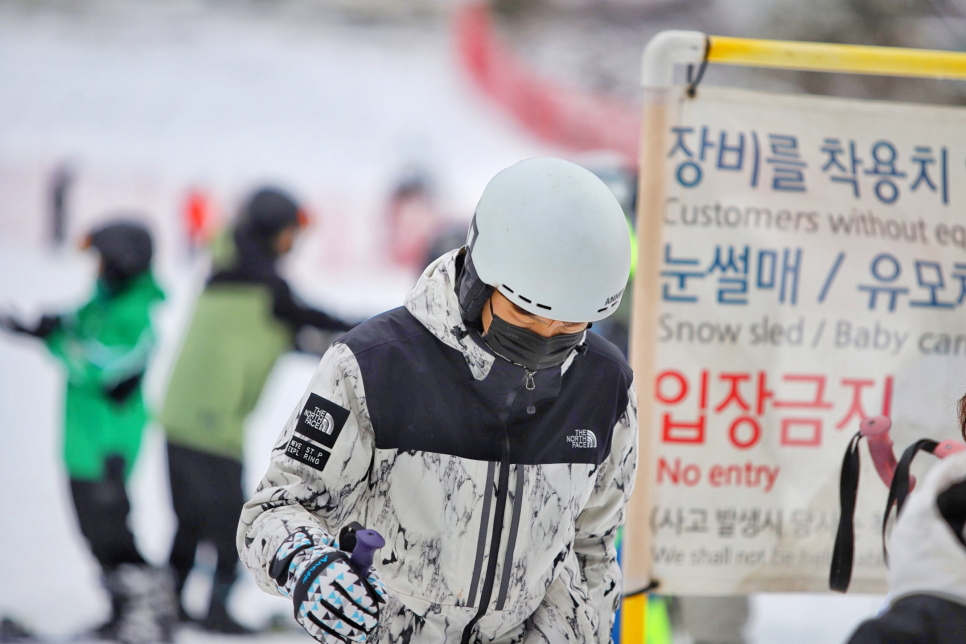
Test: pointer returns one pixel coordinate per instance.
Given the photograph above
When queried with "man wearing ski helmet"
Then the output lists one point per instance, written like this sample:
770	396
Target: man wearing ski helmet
105	347
244	319
479	428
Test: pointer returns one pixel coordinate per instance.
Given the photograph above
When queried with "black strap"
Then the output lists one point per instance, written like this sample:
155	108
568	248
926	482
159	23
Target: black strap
651	586
121	391
899	489
279	568
347	536
840	573
694	79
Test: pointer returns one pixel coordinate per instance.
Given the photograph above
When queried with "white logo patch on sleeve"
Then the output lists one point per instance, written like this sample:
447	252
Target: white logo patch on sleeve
319	424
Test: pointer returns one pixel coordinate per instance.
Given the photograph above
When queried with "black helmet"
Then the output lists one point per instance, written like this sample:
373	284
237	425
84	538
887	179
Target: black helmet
267	213
125	248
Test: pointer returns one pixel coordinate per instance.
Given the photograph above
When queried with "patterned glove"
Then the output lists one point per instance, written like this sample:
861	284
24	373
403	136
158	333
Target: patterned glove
333	602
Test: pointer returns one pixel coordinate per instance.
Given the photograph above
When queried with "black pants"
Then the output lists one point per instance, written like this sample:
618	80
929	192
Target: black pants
102	508
206	491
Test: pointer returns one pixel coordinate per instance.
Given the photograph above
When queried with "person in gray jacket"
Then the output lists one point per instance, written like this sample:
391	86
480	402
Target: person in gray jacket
479	428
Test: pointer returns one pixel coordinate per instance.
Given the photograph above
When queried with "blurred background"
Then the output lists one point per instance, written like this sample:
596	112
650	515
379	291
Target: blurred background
385	119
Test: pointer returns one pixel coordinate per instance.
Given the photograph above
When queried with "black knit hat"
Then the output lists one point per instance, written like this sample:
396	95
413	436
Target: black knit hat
267	213
126	250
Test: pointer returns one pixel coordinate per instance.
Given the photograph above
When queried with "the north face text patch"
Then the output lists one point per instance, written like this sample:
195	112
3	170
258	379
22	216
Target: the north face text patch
321	420
583	439
304	451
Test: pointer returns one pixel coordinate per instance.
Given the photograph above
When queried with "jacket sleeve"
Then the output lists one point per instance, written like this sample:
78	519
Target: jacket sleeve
597	524
592	600
91	363
287	308
580	603
295	493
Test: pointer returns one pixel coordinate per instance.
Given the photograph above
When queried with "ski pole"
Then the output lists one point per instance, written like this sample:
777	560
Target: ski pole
362	543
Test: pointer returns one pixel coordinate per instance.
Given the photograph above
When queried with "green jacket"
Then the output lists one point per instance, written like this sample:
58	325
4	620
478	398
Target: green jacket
230	349
107	341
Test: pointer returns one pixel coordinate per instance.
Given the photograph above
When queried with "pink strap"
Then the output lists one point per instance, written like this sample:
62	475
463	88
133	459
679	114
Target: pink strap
947	447
876	430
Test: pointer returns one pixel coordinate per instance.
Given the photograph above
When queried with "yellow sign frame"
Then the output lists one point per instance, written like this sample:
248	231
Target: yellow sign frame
843	59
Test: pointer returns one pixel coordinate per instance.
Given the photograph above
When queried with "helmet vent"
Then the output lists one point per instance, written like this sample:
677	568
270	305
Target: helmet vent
609	306
527	299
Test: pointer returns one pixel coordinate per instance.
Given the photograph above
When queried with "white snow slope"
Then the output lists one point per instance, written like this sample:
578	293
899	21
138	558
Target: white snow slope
148	99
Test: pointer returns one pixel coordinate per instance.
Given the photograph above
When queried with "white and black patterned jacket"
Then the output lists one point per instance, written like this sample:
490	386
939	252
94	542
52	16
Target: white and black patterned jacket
499	504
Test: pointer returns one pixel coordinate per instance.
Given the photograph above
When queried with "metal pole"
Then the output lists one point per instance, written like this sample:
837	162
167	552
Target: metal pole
662	53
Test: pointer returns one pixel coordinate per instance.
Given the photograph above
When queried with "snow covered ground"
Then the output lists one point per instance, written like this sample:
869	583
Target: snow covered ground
151	100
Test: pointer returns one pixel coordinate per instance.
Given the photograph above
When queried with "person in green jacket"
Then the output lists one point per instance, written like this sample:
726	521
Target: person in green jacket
105	347
245	318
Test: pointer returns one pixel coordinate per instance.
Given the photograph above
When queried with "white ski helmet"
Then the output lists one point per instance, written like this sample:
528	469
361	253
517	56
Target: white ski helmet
552	238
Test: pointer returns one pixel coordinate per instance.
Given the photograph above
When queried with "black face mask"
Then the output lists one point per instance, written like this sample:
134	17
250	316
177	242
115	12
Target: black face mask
526	348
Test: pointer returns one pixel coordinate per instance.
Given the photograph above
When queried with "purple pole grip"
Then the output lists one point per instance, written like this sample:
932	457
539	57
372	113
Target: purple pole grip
367	542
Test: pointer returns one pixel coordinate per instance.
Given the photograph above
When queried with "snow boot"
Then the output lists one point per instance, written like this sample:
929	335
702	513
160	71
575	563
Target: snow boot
146	604
218	619
13	631
108	630
184	617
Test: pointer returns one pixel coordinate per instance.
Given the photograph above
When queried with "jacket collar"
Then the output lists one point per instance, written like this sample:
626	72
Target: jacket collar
433	301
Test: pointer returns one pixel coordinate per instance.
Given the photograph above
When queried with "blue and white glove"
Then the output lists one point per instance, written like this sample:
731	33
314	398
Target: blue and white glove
333	601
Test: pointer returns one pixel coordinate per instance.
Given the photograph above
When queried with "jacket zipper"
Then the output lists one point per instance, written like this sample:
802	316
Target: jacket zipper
502	494
530	385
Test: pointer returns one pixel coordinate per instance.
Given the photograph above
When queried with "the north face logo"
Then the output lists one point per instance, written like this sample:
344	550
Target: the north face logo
583	439
319	419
